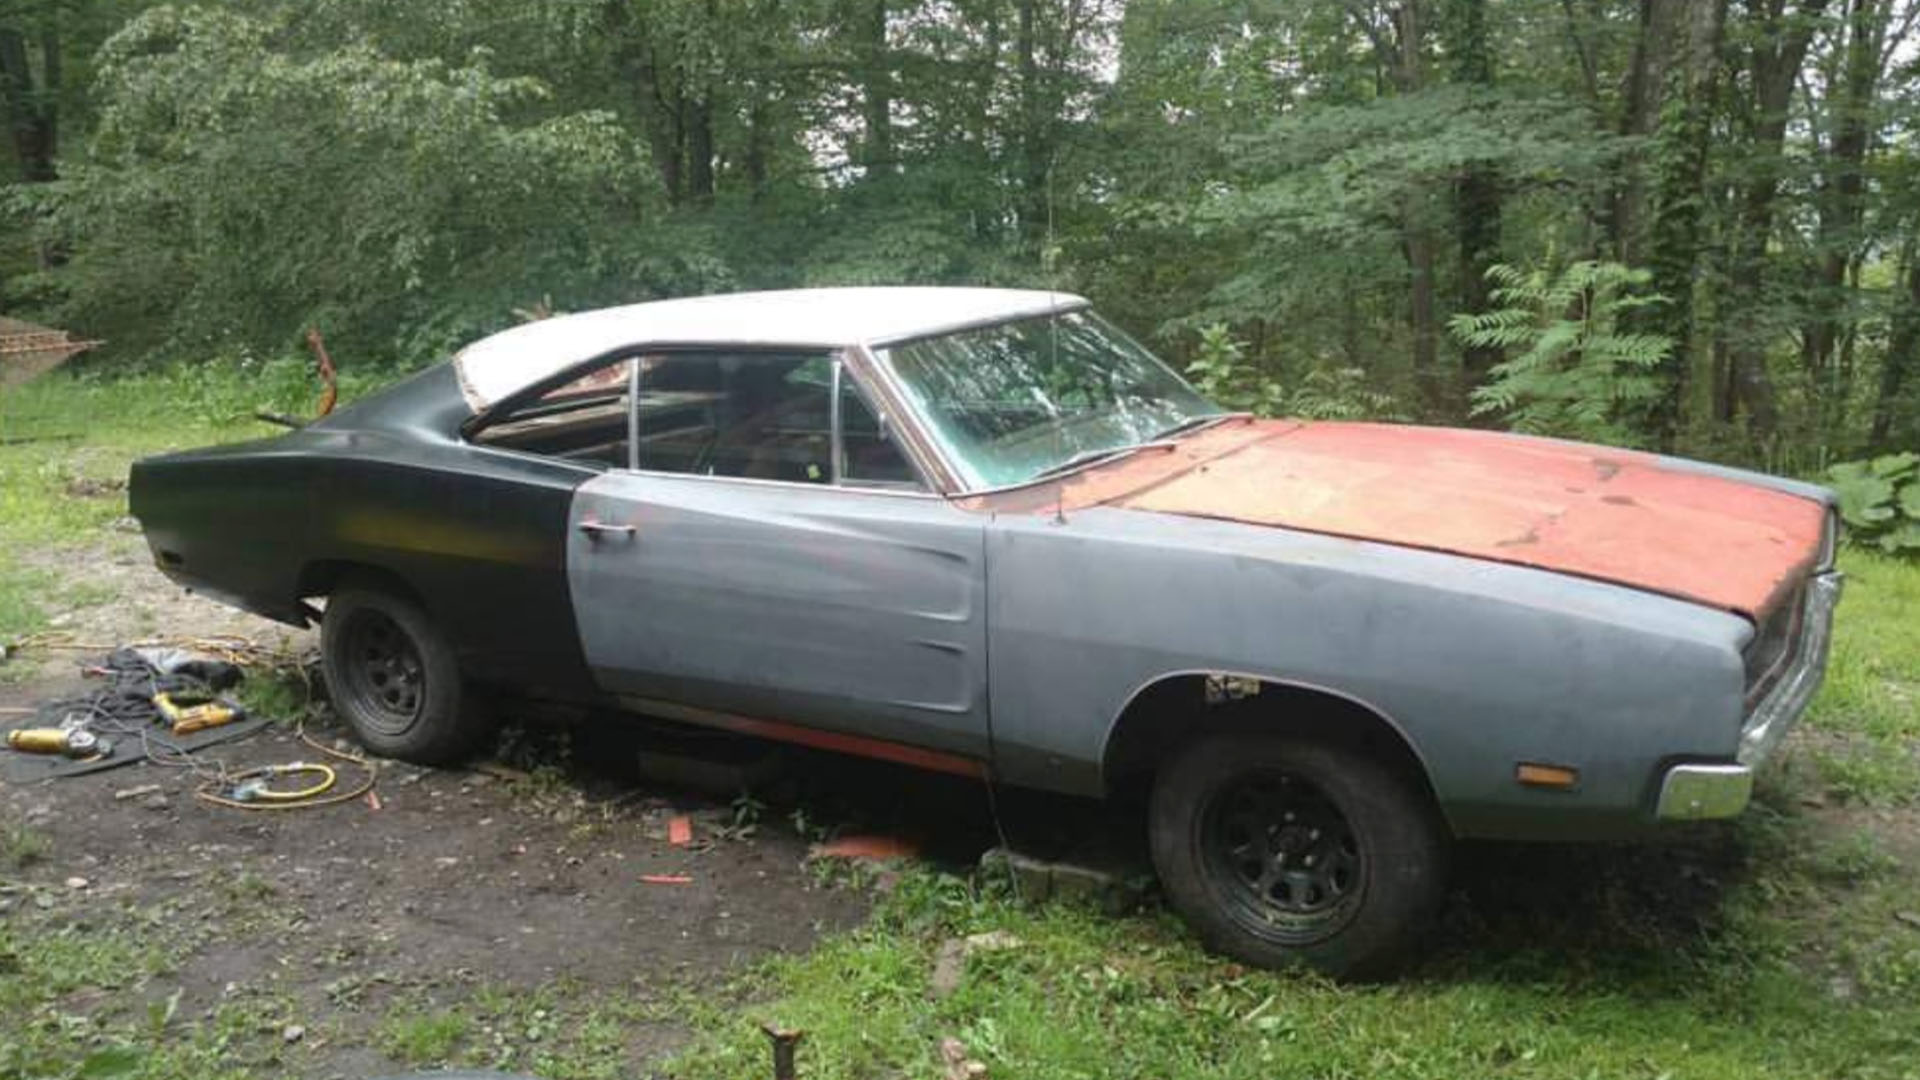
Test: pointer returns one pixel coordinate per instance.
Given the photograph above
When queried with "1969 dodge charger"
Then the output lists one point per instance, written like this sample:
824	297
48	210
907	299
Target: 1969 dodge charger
985	532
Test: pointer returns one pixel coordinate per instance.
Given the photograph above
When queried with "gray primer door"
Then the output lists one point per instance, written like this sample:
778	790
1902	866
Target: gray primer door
848	610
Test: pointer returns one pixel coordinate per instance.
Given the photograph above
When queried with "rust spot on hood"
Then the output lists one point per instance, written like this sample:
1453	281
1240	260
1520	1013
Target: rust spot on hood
1620	516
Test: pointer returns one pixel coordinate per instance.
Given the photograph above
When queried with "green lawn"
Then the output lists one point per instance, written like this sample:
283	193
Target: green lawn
1785	946
66	442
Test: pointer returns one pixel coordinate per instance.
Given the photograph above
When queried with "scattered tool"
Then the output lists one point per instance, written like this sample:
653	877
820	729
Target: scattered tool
254	789
190	712
74	742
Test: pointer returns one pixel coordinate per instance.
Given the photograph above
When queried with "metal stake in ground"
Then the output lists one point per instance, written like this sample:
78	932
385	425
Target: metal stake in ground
785	1042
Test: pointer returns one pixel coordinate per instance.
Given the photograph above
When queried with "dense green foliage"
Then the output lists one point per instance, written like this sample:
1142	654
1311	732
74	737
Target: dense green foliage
1329	181
1572	370
1880	500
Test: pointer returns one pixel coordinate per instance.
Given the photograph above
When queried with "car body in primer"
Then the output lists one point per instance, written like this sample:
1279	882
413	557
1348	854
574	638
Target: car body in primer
1642	627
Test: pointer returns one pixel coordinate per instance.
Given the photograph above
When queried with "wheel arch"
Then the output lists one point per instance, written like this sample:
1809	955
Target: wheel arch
322	577
1174	706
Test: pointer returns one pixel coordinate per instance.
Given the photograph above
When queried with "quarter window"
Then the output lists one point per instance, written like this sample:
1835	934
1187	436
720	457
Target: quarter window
584	421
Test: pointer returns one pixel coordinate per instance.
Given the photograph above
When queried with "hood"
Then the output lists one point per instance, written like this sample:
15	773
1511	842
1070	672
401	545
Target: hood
1620	516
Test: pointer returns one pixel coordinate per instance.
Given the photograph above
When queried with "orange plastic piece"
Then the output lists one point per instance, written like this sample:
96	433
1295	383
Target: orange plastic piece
866	847
680	830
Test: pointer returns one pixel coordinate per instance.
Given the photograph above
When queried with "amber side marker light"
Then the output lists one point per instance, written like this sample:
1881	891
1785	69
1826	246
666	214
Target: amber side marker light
1534	774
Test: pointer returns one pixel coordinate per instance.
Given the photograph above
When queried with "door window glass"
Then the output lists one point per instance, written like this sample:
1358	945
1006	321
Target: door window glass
763	416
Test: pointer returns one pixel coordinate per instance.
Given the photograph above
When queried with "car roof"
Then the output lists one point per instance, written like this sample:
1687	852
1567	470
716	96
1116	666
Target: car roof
498	366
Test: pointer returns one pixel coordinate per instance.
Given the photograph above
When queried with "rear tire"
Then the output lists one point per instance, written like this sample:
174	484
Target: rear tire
1283	852
394	679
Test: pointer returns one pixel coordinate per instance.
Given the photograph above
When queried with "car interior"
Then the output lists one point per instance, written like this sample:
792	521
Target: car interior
763	416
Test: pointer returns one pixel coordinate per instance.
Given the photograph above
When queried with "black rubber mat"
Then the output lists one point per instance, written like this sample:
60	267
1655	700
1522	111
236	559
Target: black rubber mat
19	768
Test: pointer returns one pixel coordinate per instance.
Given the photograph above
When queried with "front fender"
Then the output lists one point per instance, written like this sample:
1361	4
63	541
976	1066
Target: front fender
1478	665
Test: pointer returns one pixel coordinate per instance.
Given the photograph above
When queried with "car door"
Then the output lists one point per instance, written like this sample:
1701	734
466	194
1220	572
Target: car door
771	560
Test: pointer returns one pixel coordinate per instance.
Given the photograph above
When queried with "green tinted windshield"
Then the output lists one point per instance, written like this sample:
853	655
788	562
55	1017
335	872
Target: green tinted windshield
1011	401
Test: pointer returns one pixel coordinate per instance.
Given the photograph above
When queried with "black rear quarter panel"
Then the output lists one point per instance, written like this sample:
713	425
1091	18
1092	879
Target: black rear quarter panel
476	535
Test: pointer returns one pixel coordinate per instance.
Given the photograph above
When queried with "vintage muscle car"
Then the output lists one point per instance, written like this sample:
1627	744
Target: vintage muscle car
985	532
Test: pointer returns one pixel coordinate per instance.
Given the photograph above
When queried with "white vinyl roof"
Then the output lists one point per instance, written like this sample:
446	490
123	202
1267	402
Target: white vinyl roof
495	367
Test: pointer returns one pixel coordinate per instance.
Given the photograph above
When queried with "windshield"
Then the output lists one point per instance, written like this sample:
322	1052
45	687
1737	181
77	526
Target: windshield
1012	401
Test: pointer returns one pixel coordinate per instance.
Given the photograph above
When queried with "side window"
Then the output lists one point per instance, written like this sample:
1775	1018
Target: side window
872	457
584	421
764	416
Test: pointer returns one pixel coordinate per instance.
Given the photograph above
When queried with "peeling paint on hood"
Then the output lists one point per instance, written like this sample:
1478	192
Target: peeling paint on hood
1614	515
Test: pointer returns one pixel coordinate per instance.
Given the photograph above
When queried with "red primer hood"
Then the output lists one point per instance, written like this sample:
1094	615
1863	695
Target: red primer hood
1614	515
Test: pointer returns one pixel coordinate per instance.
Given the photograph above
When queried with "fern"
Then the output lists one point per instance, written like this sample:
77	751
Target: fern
1572	370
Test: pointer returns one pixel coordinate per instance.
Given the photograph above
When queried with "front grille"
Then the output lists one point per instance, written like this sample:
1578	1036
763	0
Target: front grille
1778	694
1773	646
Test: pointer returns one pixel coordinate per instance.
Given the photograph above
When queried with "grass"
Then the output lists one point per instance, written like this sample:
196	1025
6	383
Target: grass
425	1038
1869	708
21	846
56	490
1087	996
1783	946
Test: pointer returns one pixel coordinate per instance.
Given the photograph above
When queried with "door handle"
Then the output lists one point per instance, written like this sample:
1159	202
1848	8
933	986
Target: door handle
596	529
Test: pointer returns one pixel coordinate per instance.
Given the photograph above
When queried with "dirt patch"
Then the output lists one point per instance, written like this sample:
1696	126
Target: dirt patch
109	593
459	881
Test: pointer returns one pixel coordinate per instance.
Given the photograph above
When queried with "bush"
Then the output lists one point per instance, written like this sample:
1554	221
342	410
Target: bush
1880	501
1223	373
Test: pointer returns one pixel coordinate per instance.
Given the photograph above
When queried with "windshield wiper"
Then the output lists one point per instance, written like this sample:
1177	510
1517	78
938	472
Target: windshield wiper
1088	457
1195	423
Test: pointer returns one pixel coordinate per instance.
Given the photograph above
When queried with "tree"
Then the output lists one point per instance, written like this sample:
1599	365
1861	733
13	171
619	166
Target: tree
239	189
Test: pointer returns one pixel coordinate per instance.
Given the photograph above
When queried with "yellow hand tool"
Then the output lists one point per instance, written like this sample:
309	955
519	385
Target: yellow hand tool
189	713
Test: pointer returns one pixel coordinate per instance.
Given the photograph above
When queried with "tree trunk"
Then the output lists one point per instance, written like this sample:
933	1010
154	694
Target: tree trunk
1477	196
1405	63
1422	318
657	102
29	108
876	67
1035	152
1642	92
1773	69
1686	131
699	136
1843	205
1903	359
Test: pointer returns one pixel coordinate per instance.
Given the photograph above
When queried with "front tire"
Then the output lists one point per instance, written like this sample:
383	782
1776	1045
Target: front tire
1285	851
394	679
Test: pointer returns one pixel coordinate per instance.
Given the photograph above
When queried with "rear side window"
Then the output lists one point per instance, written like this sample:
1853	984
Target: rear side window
584	420
753	415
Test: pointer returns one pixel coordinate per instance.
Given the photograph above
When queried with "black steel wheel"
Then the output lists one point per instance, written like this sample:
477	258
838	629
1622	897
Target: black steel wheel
1284	851
384	674
393	677
1292	854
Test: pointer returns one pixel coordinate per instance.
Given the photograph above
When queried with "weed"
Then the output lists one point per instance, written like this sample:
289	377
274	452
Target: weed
22	846
1853	861
1872	772
422	1038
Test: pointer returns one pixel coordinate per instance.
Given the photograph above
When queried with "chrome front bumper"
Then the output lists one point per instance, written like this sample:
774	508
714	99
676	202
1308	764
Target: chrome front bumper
1696	792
